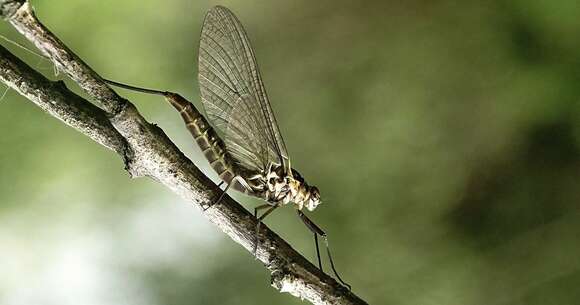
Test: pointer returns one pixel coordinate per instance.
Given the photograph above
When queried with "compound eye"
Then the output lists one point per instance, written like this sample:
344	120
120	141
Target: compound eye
271	181
315	193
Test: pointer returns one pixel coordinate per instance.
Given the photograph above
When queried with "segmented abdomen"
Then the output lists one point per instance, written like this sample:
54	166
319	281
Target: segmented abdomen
210	144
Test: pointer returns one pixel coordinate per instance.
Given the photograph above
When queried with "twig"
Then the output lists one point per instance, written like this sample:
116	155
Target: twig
147	151
54	98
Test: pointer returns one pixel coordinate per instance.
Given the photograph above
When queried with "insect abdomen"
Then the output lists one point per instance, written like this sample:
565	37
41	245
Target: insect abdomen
210	144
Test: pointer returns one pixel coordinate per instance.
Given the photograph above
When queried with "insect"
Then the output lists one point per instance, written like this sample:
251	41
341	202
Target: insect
240	137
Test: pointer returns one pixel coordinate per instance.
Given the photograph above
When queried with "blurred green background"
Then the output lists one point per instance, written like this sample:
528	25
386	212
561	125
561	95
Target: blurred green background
444	136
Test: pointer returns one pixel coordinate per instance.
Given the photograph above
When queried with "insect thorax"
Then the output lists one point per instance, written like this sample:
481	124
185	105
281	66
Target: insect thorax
277	187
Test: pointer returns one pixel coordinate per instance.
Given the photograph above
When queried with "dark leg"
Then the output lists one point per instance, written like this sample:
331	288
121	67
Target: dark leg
224	192
236	178
260	207
270	210
318	252
221	196
318	231
314	229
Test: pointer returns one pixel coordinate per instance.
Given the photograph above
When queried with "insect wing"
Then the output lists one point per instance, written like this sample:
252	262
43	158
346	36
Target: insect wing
233	95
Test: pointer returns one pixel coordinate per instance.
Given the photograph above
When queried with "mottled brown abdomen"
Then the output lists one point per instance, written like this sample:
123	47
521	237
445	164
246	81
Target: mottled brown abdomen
210	144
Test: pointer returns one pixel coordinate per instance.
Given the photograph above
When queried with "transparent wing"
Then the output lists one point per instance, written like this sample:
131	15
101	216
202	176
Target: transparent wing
233	94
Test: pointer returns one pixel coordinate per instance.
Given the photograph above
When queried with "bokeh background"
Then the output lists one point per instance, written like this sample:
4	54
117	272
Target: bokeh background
444	135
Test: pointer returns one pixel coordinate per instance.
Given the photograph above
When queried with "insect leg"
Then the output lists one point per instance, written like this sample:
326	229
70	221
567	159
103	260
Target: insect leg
318	231
256	209
270	210
260	207
210	205
236	178
314	229
318	252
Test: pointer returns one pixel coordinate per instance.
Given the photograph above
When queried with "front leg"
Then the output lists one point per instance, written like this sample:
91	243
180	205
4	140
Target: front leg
318	231
270	210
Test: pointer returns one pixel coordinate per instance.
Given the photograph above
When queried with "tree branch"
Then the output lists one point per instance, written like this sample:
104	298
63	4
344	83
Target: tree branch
147	151
54	98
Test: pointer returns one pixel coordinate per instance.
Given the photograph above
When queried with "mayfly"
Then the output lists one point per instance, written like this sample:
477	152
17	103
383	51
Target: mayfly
240	137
